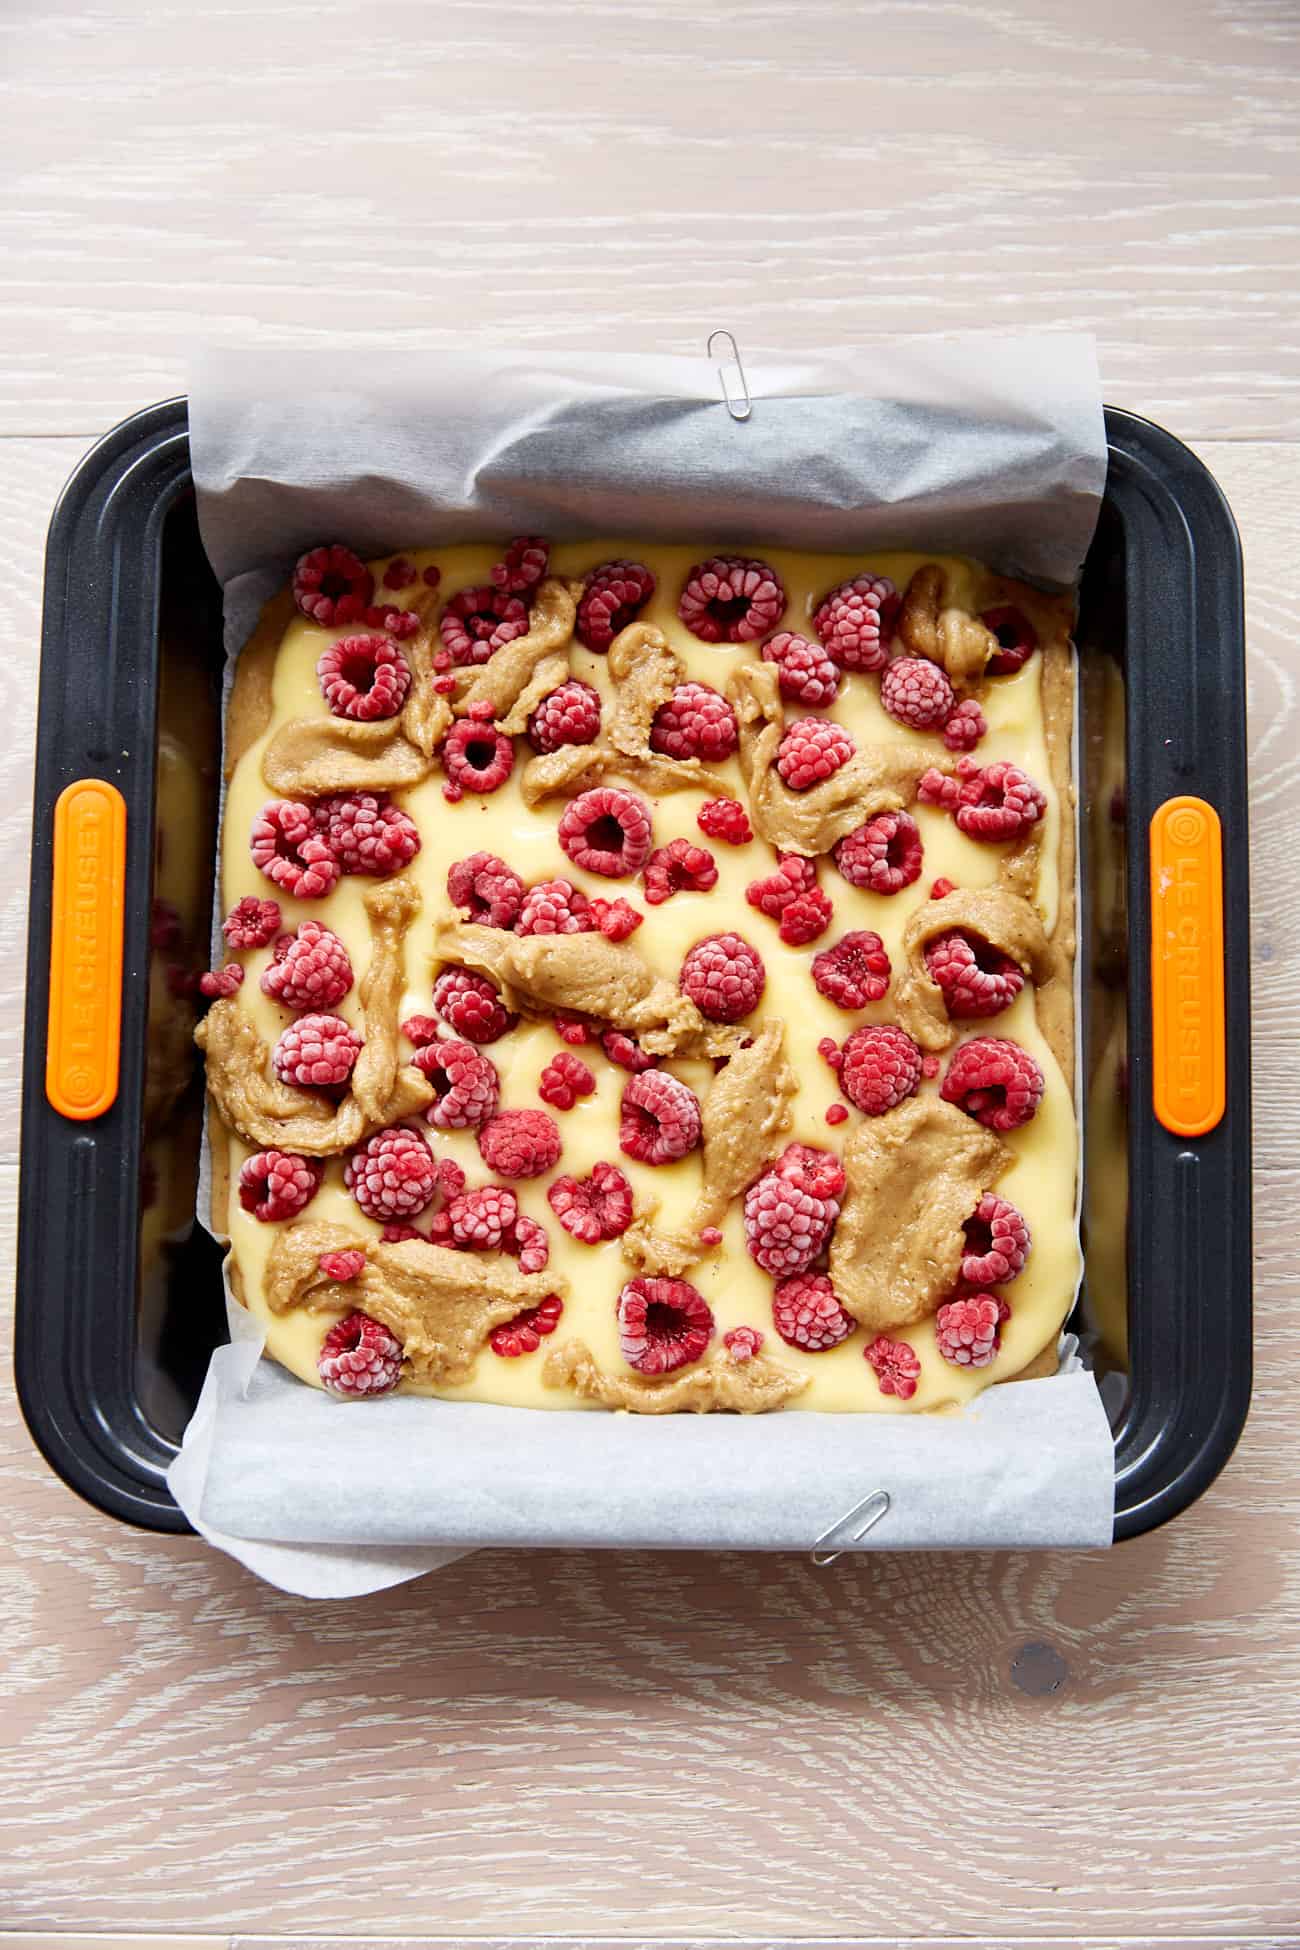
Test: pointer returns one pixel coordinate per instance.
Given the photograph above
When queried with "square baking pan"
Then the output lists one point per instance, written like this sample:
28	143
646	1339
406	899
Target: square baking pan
119	1300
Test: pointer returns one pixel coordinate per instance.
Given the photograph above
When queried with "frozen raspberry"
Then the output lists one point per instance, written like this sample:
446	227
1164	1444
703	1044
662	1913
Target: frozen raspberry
486	890
710	1236
804	671
659	1118
524	1334
696	722
396	623
316	1052
520	1143
616	920
976	979
811	751
310	969
612	597
805	918
663	1324
251	923
786	1226
884	855
466	1088
854	972
568	715
1000	803
360	1357
994	1080
626	1052
470	1003
679	868
1017	640
572	1029
725	819
529	1243
724	977
897	1366
400	573
219	982
942	887
397	1235
364	677
881	1067
392	1176
565	1079
793	877
742	1343
936	788
421	1030
806	1313
593	1208
968	1330
332	585
367	833
856	621
478	621
523	564
731	599
476	757
997	1242
607	831
916	692
965	727
348	1265
278	1184
811	1169
481	1218
555	907
288	848
836	1113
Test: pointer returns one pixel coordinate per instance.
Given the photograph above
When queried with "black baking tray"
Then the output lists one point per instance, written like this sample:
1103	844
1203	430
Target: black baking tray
112	1342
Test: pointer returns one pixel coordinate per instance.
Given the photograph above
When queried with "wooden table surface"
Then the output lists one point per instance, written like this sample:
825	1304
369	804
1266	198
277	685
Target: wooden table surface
619	1747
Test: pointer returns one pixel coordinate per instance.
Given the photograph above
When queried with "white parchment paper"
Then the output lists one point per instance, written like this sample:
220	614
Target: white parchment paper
990	446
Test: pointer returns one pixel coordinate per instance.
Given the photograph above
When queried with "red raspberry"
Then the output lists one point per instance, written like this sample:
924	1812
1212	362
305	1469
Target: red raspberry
568	715
936	788
486	890
220	982
724	977
465	1084
481	1218
884	855
367	833
392	1176
476	758
804	670
811	1169
1000	803
607	831
794	876
663	1324
331	585
854	972
251	923
520	1143
477	622
941	887
396	623
725	819
524	1334
966	726
310	969
593	1208
529	1243
433	575
710	1236
626	1052
555	907
997	1243
523	564
805	918
968	1330
743	1343
786	1225
316	1052
364	677
565	1079
881	1067
811	751
400	573
659	1118
696	722
612	597
288	848
397	1235
806	1313
679	868
836	1113
976	979
994	1080
573	1029
731	599
360	1357
471	1004
856	621
342	1265
1017	639
616	920
897	1366
278	1184
916	692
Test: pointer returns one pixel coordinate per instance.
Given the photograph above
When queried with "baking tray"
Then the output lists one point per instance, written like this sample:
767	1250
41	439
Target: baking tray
117	1314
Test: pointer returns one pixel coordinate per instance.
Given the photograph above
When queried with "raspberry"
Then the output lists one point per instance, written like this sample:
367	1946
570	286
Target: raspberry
332	585
165	929
316	1052
364	677
806	1313
811	1169
568	715
968	1330
555	907
743	1343
884	855
476	758
881	1067
251	923
593	1208
288	848
470	1003
724	977
725	819
397	1235
679	868
465	1084
659	1118
310	969
936	788
663	1324
433	575
520	1143
565	1079
941	887
994	1080
486	890
1000	803
572	1029
626	1052
392	1176
1017	639
804	671
477	622
976	979
786	1226
616	920
523	564
400	573
220	982
607	831
811	751
916	692
966	726
836	1113
731	599
529	1243
696	722
367	833
278	1184
612	597
997	1242
397	623
897	1366
524	1334
856	620
359	1357
805	918
481	1218
794	876
854	972
710	1236
343	1265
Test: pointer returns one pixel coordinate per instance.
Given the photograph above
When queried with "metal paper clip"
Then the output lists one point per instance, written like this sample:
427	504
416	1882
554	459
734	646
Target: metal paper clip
740	406
871	1509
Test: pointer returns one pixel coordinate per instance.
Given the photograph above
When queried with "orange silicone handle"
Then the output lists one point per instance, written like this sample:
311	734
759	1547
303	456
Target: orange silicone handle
1188	1073
83	1038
